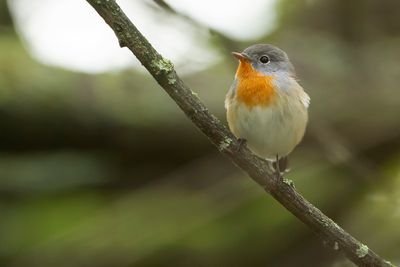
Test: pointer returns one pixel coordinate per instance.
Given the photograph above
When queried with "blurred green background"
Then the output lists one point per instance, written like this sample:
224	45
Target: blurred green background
104	169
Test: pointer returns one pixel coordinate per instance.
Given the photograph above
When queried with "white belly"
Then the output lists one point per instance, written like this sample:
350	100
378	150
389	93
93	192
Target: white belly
270	131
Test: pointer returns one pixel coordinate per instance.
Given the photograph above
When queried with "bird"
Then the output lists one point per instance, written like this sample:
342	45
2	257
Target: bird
266	107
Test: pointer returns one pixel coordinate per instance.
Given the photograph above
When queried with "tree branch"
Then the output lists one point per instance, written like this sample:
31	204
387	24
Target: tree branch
283	191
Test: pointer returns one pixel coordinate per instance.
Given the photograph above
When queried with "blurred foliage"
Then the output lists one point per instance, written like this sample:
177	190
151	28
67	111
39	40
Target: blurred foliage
5	18
104	170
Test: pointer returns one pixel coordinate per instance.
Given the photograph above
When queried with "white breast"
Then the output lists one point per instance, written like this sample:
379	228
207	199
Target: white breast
272	130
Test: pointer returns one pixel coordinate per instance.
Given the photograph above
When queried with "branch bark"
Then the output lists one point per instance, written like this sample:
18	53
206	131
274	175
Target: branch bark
282	190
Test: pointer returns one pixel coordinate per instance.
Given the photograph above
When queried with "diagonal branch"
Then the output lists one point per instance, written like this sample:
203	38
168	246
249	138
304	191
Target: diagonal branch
283	191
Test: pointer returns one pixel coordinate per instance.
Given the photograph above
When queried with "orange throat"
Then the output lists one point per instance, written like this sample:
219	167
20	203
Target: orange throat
253	87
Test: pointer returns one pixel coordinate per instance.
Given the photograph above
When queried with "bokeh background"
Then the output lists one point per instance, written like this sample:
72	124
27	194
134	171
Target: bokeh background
98	167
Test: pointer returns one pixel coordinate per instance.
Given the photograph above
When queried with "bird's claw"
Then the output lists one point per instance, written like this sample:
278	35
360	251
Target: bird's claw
278	173
242	142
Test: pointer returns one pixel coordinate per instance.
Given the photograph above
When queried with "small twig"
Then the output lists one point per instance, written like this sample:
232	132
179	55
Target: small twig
226	43
283	191
165	6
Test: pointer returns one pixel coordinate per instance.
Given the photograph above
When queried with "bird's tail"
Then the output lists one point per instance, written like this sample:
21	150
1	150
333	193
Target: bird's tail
282	164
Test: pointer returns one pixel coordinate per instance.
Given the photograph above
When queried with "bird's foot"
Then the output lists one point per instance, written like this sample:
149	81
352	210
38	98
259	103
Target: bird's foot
283	163
278	174
276	165
242	143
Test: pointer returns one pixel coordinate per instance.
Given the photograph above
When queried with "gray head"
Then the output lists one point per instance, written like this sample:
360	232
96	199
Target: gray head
267	59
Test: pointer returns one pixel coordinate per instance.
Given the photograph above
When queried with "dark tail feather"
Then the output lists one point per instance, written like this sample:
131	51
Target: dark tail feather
283	164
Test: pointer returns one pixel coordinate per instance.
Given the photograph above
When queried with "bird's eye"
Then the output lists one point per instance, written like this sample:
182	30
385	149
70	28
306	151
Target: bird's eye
264	59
